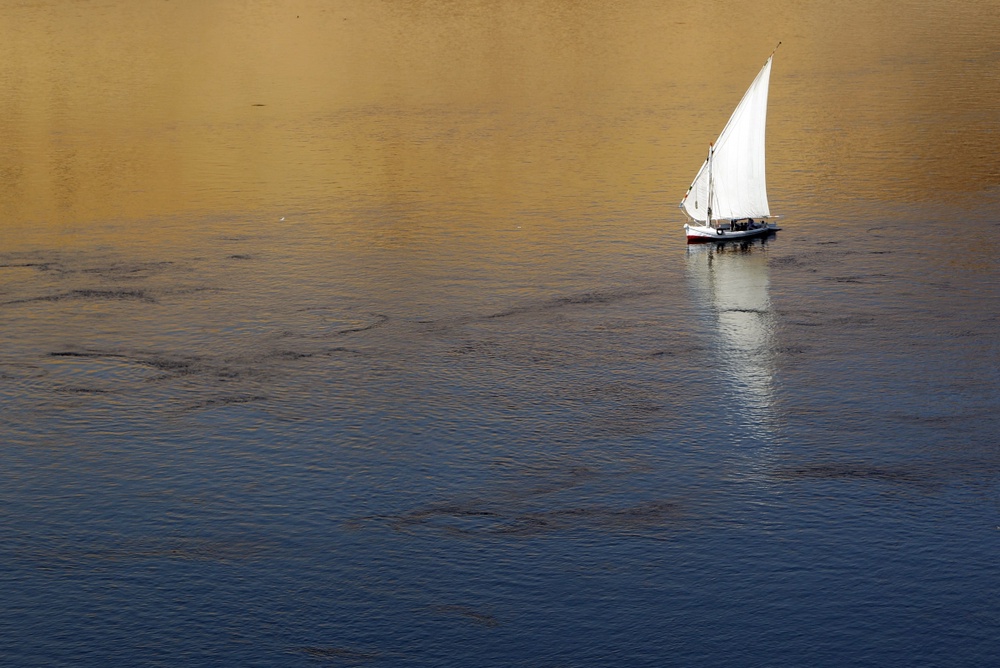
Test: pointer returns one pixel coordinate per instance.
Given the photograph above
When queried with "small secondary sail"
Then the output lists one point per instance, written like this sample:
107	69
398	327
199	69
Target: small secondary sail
738	188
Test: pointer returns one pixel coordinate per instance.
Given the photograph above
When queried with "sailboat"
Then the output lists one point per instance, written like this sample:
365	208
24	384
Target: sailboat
728	198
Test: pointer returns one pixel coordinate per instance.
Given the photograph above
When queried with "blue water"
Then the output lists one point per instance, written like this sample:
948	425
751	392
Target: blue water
205	465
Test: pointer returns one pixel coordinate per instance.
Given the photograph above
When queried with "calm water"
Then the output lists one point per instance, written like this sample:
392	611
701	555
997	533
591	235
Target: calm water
365	333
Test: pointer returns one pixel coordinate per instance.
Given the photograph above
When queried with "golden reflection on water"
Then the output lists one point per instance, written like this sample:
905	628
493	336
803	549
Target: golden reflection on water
477	111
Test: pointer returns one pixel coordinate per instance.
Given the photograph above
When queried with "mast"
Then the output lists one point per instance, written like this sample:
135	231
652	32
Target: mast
708	215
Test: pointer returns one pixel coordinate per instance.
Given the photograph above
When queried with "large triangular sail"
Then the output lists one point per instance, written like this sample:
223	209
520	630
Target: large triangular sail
733	174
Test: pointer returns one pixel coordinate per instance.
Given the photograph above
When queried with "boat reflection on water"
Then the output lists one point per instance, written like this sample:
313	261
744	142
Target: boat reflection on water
730	281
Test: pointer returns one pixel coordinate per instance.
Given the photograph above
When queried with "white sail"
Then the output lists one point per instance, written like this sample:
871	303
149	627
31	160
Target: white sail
736	163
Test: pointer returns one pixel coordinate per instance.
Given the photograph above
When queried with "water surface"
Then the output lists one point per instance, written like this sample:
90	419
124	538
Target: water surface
365	333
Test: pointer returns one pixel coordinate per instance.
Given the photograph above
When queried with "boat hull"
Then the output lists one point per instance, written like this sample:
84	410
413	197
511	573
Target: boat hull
703	234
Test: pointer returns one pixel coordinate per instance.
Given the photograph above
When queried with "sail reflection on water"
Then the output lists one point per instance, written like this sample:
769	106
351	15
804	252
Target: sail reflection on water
731	282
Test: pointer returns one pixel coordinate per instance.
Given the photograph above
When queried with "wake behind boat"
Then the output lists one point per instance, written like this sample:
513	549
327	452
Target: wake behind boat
728	198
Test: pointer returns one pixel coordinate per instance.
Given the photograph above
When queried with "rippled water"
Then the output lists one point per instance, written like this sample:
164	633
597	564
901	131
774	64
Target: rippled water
365	333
